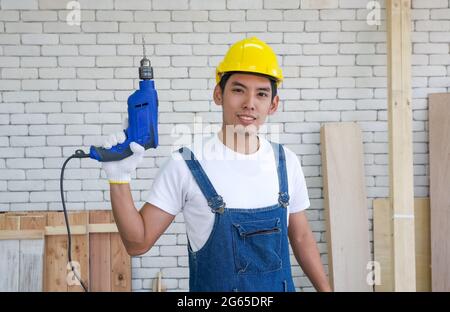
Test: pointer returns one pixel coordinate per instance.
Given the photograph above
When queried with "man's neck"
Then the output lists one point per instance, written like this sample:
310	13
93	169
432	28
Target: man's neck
240	143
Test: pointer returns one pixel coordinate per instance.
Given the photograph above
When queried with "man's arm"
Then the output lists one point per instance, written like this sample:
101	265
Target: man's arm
139	230
306	251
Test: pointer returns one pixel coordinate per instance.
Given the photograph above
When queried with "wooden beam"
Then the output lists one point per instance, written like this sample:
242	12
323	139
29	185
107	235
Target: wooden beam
346	210
400	142
439	125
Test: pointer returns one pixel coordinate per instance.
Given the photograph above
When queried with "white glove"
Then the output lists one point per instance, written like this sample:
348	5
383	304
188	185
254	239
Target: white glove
119	172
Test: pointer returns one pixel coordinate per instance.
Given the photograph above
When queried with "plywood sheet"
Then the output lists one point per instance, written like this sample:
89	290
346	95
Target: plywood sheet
439	144
345	206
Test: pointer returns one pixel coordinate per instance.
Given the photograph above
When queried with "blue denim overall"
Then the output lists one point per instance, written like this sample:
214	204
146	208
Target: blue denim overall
247	249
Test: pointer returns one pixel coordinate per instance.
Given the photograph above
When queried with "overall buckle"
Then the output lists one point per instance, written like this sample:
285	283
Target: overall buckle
283	199
217	204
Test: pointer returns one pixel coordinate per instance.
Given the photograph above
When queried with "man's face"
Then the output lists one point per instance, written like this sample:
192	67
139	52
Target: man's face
246	102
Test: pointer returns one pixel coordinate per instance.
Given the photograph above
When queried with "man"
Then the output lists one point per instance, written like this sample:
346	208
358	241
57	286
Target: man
242	196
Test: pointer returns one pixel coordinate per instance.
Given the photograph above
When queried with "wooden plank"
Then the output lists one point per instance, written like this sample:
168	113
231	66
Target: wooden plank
33	222
345	206
9	256
55	271
2	221
32	254
382	231
81	229
400	142
382	243
21	234
21	226
100	254
423	244
120	264
102	228
439	125
80	249
31	265
9	265
62	230
12	222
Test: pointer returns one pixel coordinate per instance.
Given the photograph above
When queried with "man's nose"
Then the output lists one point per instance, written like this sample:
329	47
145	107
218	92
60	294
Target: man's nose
250	102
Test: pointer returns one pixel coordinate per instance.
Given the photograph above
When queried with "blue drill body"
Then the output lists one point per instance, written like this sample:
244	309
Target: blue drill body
142	119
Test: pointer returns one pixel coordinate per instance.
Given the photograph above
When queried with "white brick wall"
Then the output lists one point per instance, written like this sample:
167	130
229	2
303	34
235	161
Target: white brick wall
65	87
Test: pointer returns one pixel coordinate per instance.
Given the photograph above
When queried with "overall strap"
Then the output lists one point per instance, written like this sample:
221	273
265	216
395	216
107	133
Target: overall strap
215	201
280	160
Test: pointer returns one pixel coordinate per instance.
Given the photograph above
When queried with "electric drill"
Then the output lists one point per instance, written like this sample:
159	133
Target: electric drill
142	129
142	119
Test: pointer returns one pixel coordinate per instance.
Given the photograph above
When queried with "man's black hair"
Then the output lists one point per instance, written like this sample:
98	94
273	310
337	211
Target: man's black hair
227	75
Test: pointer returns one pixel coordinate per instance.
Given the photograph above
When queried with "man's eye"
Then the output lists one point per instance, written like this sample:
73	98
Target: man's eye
263	94
237	90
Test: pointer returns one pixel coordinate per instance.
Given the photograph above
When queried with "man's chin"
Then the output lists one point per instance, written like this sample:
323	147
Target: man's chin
248	130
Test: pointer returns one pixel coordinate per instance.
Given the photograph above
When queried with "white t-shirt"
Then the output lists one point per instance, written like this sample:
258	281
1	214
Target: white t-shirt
244	181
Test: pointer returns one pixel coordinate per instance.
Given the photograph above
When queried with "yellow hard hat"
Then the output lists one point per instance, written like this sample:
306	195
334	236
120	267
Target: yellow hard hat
250	55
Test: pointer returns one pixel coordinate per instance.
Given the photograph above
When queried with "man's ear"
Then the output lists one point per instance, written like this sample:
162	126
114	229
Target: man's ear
274	106
217	95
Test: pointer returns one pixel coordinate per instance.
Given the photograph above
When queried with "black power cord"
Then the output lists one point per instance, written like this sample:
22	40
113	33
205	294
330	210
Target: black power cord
78	154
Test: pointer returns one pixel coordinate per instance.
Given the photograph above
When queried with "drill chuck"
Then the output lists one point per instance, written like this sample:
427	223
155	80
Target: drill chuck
145	70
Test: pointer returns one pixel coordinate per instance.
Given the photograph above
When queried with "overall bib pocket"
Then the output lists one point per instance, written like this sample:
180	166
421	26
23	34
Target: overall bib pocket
257	246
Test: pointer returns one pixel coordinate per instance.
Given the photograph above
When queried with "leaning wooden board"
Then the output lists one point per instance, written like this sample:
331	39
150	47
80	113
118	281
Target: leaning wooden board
345	206
383	252
439	145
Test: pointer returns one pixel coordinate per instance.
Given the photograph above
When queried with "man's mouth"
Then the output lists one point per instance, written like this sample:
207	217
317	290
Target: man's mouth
246	118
